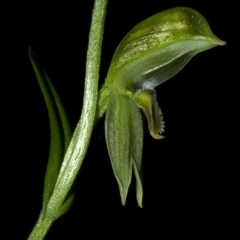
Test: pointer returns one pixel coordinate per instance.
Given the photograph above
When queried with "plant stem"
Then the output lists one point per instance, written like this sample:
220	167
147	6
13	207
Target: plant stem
41	228
81	137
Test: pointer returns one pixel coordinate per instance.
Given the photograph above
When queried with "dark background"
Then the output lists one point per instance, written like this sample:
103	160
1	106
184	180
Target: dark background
187	176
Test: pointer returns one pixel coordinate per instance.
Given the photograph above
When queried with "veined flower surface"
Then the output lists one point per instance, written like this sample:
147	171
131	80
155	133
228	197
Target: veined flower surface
151	53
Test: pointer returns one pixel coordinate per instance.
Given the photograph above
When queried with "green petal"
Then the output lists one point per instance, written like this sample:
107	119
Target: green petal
122	125
159	47
137	146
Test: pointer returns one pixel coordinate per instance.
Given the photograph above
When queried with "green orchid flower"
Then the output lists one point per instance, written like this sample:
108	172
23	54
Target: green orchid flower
151	53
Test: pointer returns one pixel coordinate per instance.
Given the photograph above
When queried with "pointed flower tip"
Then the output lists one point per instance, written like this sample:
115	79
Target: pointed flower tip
123	195
220	42
217	41
140	204
123	200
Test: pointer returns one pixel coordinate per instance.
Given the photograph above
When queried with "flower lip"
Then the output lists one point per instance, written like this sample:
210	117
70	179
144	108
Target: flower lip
147	101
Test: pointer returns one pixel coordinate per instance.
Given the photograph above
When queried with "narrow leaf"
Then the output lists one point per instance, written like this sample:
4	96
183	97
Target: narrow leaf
60	133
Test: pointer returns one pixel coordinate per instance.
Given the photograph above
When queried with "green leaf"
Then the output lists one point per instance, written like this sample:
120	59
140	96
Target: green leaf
60	133
61	196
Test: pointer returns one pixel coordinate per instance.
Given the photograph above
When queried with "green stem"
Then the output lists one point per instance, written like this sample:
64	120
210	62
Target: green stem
41	228
81	137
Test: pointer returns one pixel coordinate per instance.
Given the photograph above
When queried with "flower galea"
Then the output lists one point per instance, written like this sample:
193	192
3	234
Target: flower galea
151	53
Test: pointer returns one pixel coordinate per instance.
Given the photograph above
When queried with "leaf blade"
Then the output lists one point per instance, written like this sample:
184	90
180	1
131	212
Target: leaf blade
60	133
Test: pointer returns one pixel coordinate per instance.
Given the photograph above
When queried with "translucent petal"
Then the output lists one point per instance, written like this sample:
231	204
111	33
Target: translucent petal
154	46
123	129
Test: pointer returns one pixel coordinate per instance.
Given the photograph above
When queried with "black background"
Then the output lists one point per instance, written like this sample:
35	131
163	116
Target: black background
187	178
